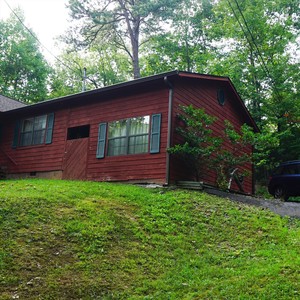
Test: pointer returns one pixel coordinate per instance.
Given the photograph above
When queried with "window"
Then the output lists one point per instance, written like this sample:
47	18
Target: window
33	131
129	136
221	97
78	132
291	169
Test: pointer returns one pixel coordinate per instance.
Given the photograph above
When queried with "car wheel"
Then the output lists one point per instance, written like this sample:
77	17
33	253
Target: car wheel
279	193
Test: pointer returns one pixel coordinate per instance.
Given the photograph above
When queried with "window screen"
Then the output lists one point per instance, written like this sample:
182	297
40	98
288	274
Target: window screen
33	131
130	136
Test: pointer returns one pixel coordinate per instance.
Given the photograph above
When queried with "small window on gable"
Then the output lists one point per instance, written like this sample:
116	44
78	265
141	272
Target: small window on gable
78	132
221	97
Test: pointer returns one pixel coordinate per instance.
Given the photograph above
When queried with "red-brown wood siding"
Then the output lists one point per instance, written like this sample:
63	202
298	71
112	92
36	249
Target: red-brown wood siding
89	110
203	94
39	158
141	167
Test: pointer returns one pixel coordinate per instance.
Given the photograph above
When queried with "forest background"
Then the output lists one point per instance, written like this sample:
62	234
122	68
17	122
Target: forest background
254	42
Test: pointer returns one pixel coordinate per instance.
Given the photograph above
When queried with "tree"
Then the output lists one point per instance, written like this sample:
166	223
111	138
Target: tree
23	69
255	41
235	155
198	141
186	45
200	148
101	66
123	24
254	37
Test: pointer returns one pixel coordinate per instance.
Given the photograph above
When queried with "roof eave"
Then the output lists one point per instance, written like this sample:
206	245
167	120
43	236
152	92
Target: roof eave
137	82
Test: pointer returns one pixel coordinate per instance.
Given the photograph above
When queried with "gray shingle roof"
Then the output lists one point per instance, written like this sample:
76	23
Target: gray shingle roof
9	104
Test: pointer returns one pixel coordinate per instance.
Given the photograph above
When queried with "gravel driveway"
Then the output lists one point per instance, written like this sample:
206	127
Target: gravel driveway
289	208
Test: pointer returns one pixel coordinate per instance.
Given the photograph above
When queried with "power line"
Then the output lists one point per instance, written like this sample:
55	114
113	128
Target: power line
238	20
252	41
36	38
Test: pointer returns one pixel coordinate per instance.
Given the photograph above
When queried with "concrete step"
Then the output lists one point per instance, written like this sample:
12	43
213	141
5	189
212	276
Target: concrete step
192	185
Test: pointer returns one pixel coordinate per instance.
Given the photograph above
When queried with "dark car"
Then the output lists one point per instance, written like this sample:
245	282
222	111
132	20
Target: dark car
285	180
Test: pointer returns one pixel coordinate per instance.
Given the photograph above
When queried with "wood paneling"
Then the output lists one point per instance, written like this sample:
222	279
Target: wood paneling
90	110
61	154
139	167
204	95
75	159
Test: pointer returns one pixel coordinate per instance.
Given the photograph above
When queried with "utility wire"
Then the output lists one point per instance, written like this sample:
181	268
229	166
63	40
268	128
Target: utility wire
266	70
252	41
36	38
238	20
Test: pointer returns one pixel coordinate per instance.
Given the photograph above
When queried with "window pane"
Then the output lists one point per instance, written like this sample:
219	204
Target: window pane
139	125
128	136
38	137
26	139
117	147
40	122
33	131
138	144
27	125
117	129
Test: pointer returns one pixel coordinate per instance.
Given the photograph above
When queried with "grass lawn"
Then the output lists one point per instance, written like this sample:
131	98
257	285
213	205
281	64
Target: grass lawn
89	240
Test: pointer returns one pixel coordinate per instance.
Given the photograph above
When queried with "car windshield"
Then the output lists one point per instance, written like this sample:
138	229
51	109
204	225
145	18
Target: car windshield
288	169
278	171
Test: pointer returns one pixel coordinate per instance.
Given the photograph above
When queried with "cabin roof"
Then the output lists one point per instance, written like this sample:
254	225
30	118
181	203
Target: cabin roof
139	83
7	104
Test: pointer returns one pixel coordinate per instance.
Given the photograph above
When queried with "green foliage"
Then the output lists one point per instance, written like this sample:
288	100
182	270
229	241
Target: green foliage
199	142
186	45
256	44
89	240
23	69
201	148
236	153
257	49
119	24
103	67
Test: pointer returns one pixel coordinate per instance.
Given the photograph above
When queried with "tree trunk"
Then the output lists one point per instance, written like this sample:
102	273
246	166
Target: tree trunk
133	26
135	60
256	105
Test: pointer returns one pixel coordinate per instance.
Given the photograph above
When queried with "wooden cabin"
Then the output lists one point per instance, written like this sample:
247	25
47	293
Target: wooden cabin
116	133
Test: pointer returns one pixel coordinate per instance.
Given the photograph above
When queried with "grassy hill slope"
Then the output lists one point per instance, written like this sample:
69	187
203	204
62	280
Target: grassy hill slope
88	240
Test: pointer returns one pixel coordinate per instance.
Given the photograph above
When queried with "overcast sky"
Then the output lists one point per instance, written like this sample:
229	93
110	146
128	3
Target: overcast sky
47	18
